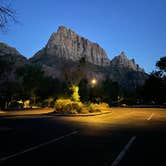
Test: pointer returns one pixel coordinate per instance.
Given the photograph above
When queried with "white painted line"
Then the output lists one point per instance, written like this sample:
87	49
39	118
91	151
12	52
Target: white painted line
123	152
150	117
37	146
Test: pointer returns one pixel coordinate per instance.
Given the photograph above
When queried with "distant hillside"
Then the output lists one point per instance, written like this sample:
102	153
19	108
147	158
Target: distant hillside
10	61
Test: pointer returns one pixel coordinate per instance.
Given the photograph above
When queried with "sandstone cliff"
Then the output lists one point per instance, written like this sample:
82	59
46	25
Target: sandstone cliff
121	61
66	44
63	52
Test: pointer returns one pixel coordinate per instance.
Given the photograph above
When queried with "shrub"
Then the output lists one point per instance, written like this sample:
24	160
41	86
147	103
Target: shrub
84	110
93	108
67	106
98	107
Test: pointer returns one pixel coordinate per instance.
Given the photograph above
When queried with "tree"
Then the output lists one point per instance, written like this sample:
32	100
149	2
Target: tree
73	74
9	93
161	64
31	77
155	86
110	90
75	94
84	90
7	14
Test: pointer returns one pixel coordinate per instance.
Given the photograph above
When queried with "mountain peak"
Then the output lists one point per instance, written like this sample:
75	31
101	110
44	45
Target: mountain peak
65	43
62	29
122	54
10	54
121	61
8	50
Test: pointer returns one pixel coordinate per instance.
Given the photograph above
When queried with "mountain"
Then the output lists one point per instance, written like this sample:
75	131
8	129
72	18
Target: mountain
66	44
63	53
10	61
10	54
126	72
122	62
65	49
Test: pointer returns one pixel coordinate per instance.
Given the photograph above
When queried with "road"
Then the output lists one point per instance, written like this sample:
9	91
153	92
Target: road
125	137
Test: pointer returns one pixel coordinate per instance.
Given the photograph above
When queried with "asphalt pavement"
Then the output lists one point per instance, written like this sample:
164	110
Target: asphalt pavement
125	137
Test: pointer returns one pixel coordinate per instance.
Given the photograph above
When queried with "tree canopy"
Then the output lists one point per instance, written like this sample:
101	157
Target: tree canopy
161	64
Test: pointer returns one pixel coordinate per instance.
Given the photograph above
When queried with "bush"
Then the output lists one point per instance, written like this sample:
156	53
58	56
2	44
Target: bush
67	106
14	105
84	110
98	107
93	108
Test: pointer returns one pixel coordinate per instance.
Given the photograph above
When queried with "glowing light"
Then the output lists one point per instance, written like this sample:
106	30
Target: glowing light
93	81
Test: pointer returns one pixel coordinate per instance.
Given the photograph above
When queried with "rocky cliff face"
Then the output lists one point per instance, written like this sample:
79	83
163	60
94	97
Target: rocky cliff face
66	44
127	72
63	52
122	62
66	47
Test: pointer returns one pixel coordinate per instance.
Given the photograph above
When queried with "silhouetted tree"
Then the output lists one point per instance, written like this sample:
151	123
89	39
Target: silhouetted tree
84	90
161	64
109	90
155	87
7	14
31	77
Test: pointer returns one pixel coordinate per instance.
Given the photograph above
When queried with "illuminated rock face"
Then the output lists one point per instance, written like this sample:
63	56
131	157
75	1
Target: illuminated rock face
63	52
65	43
65	48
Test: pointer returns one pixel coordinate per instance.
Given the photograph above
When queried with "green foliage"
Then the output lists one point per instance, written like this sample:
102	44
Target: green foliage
75	94
93	109
97	107
67	106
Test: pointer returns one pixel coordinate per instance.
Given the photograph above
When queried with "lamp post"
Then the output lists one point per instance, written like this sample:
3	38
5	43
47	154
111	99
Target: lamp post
93	82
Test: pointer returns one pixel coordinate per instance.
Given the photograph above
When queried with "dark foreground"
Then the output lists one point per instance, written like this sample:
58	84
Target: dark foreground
125	137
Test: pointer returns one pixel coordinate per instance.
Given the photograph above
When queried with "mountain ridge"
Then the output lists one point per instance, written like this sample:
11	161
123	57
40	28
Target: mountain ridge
65	48
68	44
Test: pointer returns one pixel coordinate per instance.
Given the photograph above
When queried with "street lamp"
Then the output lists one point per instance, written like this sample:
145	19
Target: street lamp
92	90
93	81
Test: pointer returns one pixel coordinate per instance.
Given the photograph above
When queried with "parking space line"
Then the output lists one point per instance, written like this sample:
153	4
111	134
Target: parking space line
150	117
38	146
123	152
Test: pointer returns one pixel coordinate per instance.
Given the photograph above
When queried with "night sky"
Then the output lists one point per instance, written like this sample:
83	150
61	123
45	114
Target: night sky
137	27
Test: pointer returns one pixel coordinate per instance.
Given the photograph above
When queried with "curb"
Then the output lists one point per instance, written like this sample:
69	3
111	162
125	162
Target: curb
72	115
56	114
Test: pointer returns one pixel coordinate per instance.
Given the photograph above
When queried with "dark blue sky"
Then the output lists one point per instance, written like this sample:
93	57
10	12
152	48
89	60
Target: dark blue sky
137	27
